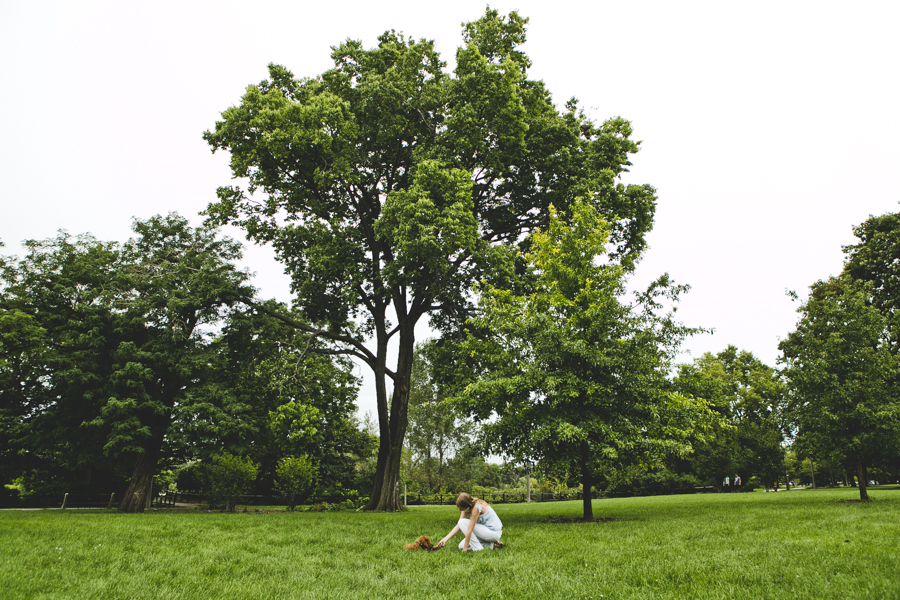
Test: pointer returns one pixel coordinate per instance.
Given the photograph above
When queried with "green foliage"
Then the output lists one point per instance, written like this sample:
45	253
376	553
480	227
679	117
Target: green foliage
128	359
437	433
294	479
349	504
124	338
635	481
842	361
293	423
750	399
874	259
844	376
189	477
272	399
164	480
571	375
226	478
389	187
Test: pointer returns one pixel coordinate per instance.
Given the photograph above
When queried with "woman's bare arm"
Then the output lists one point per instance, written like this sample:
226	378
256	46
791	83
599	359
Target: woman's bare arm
476	510
453	532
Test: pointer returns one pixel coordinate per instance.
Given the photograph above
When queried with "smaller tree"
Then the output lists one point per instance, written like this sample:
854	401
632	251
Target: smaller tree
295	477
843	374
571	375
227	478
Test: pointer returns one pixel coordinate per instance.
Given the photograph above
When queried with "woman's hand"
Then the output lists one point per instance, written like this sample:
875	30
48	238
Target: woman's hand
453	532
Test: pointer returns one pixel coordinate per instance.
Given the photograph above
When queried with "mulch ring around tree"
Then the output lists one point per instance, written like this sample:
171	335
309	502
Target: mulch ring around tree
562	519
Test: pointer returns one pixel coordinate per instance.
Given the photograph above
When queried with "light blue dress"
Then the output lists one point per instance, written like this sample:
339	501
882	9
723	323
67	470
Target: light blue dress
487	530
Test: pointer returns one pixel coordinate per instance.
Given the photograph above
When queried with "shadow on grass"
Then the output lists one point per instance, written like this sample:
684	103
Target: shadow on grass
564	519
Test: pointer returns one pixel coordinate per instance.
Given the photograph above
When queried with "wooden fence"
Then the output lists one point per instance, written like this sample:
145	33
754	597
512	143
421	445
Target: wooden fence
88	500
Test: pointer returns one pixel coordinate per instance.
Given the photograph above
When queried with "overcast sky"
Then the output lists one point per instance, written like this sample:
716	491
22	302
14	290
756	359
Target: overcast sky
768	128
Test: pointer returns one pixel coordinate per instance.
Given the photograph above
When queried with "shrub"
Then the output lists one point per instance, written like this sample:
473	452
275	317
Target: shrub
189	477
636	482
226	479
294	479
164	481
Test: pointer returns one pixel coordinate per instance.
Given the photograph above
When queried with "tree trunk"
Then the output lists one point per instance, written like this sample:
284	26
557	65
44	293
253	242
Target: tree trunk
861	473
587	482
392	426
812	473
138	491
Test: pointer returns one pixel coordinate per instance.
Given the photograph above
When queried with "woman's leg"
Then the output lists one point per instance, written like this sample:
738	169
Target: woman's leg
481	536
486	536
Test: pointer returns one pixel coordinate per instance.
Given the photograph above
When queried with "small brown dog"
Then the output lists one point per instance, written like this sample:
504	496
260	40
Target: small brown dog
422	543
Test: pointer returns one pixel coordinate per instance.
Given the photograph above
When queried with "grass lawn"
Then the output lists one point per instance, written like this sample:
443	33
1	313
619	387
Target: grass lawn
802	544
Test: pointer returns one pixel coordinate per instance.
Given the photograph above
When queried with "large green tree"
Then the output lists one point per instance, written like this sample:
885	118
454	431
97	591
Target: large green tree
125	336
388	186
844	376
571	374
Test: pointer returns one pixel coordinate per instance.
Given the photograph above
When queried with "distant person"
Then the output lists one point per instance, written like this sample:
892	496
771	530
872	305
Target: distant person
479	522
726	485
737	481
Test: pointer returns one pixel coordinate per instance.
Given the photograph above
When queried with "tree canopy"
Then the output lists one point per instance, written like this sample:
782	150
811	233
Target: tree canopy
389	187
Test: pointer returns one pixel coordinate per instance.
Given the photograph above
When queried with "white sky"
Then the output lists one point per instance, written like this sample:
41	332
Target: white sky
768	128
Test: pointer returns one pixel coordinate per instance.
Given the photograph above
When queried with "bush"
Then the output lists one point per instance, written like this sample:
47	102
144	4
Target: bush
226	479
294	479
9	496
189	478
164	481
635	482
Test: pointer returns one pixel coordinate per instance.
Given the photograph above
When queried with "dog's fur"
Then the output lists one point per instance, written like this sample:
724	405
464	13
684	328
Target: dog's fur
422	543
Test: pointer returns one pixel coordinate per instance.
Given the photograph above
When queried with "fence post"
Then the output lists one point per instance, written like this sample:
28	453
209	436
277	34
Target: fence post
111	498
65	499
528	483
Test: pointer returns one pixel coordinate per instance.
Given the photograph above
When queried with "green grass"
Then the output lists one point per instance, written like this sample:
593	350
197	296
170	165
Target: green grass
802	544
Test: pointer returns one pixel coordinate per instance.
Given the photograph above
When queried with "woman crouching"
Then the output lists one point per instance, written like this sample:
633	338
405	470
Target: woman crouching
480	523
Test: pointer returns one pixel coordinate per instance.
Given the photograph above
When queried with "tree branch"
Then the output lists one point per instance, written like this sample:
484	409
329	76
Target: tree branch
362	352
